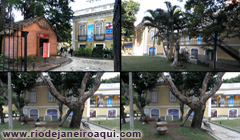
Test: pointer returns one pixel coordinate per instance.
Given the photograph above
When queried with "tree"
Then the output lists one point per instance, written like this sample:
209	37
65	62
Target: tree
128	11
197	106
214	20
115	79
76	106
131	101
232	80
142	82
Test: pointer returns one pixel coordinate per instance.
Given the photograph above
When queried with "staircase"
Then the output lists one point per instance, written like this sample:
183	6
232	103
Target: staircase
230	51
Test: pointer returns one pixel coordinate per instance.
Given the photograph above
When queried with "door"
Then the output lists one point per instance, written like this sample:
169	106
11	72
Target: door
109	101
40	50
230	101
155	113
151	51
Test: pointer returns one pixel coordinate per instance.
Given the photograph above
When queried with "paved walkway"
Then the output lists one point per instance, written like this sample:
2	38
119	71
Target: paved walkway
85	64
101	129
223	133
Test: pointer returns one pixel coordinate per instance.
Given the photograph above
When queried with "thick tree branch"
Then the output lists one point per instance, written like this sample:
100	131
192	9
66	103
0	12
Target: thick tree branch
97	83
215	88
83	85
55	93
175	91
204	84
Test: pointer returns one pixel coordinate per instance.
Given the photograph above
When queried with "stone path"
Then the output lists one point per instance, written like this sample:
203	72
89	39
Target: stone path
223	133
85	64
101	129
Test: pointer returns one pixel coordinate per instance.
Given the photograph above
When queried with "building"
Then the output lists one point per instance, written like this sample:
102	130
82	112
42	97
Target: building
104	103
226	54
93	27
40	31
225	103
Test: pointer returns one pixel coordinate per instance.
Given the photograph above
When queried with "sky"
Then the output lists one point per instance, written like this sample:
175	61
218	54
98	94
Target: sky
154	4
77	5
228	75
108	75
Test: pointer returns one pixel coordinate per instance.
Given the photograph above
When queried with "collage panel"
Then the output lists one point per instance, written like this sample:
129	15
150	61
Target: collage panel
69	103
60	69
180	69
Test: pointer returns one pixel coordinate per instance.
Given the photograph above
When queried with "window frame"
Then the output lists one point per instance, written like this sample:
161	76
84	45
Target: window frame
30	96
51	96
156	97
172	96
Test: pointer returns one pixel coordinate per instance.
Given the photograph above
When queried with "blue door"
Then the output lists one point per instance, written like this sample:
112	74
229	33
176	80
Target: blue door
174	112
151	51
109	100
53	113
230	101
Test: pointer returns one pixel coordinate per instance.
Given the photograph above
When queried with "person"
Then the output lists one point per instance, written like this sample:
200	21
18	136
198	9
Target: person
71	50
61	50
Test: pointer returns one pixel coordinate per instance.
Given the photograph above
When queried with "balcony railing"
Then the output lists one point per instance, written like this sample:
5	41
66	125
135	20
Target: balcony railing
226	105
82	37
99	37
106	105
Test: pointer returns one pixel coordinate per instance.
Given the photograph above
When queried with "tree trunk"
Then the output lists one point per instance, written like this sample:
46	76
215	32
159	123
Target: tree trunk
186	117
2	16
215	51
122	113
77	117
141	110
198	116
2	115
60	105
154	42
181	110
65	117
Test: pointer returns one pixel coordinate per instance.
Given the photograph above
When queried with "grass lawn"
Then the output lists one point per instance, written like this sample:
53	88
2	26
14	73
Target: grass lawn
53	125
174	131
113	124
235	124
149	63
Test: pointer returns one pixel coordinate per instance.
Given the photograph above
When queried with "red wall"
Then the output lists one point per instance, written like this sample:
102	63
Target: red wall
32	41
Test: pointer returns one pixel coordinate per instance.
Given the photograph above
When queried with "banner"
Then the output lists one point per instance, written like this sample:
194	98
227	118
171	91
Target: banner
90	32
109	31
46	50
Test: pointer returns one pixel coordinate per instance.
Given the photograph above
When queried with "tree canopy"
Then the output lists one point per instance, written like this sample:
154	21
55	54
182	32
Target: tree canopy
115	79
128	11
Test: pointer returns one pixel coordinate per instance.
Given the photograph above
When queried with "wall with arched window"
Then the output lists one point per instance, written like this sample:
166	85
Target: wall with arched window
155	113
53	113
174	112
34	113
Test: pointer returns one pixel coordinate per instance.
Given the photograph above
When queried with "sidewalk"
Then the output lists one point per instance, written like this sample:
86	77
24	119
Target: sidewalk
223	133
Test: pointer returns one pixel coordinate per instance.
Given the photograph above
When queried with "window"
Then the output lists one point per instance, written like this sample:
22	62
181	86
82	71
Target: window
174	113
53	113
109	101
34	113
92	113
213	113
233	113
194	53
187	40
155	113
214	101
199	39
154	97
112	113
82	29
222	101
82	46
172	97
92	101
33	97
99	28
191	115
51	98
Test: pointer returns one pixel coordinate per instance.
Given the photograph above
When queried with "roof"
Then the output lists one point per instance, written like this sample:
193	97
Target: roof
229	89
23	23
108	89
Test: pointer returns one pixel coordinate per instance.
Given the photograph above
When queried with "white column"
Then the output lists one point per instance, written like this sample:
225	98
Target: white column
209	106
73	36
88	107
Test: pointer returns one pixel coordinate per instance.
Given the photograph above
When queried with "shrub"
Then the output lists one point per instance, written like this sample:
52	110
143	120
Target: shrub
97	52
